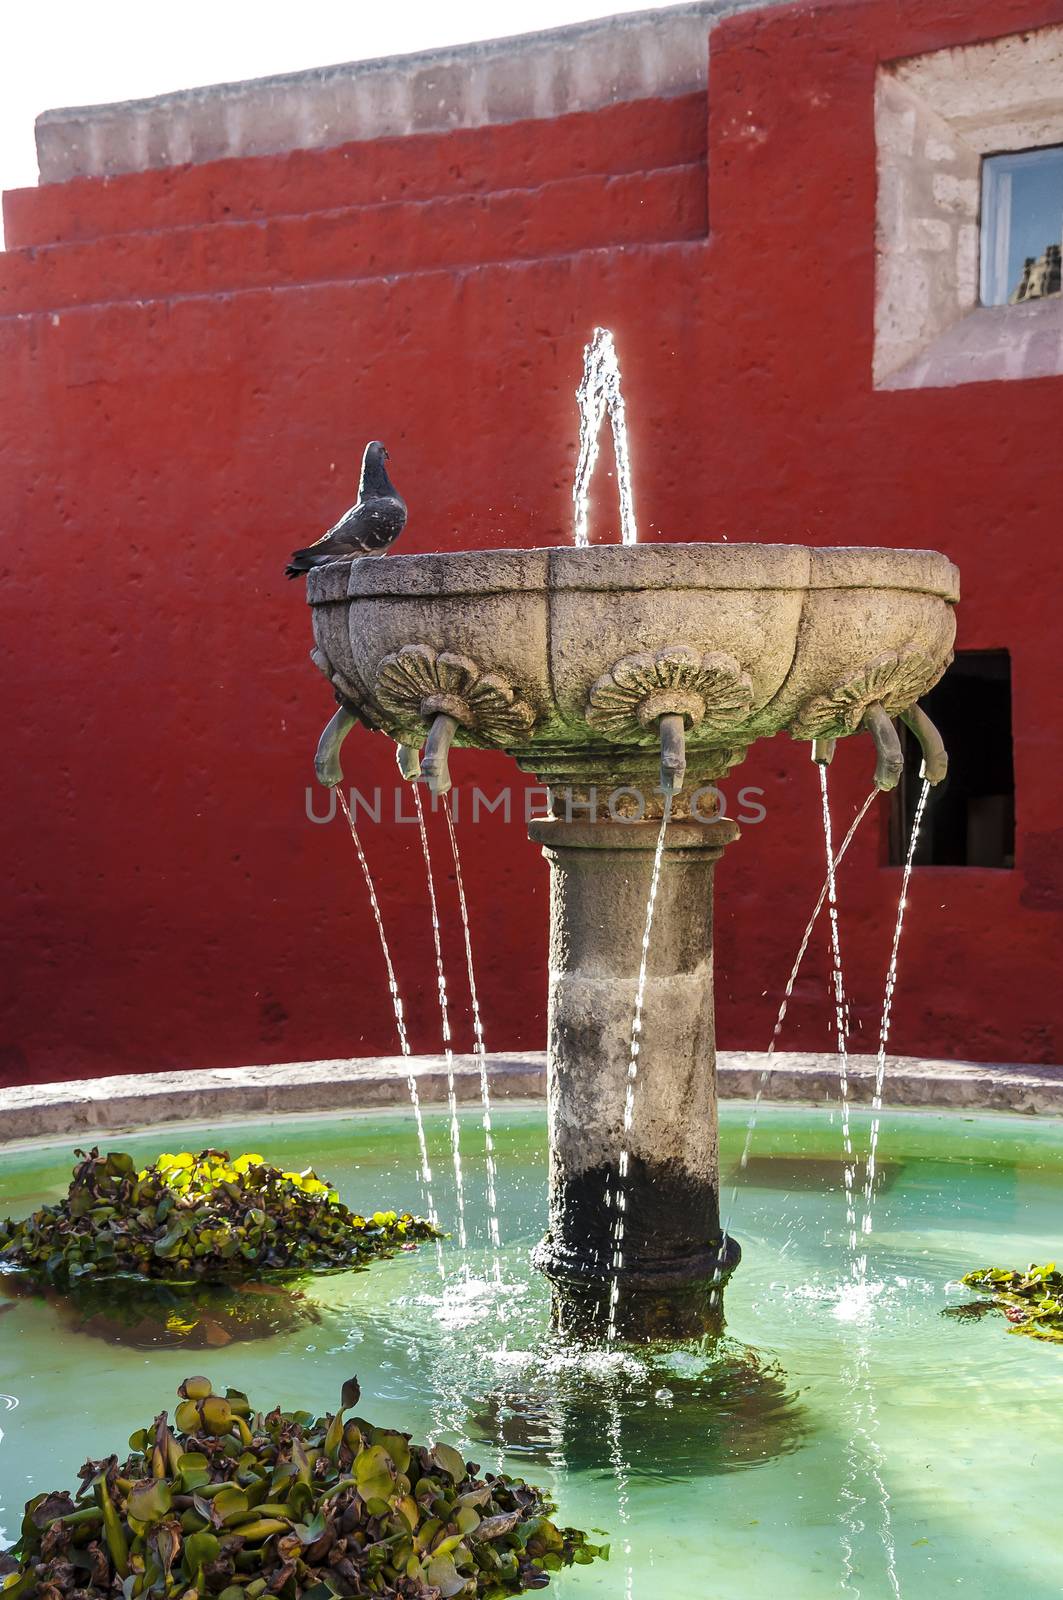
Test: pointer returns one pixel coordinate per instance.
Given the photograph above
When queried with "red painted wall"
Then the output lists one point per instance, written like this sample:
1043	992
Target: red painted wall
191	361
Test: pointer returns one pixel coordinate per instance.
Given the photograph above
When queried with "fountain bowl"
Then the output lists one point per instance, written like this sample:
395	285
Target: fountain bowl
569	658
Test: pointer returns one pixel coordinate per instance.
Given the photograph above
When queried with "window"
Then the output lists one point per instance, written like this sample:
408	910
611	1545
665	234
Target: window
969	145
1022	225
970	818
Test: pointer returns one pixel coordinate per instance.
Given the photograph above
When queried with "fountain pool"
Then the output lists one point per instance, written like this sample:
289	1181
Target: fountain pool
828	1417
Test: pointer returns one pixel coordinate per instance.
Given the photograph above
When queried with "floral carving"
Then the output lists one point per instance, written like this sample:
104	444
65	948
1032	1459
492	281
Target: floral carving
417	683
710	691
895	681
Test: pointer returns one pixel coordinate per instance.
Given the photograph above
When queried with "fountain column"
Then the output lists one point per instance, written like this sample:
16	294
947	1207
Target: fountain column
600	875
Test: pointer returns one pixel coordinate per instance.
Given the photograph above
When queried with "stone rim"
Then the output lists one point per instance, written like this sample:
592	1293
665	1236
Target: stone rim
600	568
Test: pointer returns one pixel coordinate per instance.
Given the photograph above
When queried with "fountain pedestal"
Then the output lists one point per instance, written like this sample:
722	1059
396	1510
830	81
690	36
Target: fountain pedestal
669	1260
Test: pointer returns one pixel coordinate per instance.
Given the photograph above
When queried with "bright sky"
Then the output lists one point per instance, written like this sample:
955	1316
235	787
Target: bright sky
76	52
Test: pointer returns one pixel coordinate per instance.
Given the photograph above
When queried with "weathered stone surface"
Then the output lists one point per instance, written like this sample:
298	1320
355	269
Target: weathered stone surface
599	884
103	1107
790	624
660	52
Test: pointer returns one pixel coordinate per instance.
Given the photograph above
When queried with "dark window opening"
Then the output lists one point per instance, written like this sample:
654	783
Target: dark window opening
970	818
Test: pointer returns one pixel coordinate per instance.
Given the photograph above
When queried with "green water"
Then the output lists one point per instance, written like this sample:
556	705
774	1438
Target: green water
833	1441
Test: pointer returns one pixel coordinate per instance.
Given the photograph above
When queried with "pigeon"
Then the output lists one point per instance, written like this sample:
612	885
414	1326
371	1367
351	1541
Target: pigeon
369	528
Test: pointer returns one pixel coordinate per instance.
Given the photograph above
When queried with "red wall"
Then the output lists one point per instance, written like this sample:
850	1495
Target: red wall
191	361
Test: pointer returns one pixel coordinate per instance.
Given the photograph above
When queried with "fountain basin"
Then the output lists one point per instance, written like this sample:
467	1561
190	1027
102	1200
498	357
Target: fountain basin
568	658
735	1458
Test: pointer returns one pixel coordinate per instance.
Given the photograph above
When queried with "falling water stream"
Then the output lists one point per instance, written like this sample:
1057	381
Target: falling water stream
480	1049
599	392
400	1024
620	1192
444	1017
784	1005
859	1379
887	1008
841	1013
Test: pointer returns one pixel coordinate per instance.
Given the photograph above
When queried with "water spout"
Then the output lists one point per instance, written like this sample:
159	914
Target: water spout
890	757
935	757
409	761
434	764
673	752
327	759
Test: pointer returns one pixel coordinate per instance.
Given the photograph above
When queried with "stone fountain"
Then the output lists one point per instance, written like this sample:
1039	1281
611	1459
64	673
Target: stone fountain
629	679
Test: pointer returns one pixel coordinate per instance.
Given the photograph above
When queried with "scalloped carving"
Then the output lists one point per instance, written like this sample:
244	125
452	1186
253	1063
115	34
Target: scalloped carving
417	683
710	691
895	681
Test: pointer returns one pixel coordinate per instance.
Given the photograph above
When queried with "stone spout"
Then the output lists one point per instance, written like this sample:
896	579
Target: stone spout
409	761
935	756
327	760
673	753
671	1268
889	761
435	767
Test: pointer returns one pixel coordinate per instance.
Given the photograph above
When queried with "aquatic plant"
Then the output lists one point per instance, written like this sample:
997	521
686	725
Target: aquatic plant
1032	1300
189	1218
238	1505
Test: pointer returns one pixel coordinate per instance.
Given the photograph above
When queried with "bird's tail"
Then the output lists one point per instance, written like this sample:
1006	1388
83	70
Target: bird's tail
302	561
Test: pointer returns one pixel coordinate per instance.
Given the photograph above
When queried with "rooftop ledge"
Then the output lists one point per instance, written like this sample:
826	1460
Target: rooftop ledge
646	54
93	1108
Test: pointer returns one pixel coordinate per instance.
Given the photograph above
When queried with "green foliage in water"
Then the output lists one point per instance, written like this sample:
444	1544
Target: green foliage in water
193	1218
237	1505
1032	1300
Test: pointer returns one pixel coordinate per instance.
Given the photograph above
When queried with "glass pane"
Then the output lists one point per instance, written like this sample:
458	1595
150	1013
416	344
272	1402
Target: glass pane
1022	225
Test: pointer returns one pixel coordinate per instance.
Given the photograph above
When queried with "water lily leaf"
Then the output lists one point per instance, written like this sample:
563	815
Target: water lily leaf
229	1504
217	1414
193	1470
374	1473
200	1549
446	1457
238	1403
300	1500
187	1416
150	1501
443	1573
196	1389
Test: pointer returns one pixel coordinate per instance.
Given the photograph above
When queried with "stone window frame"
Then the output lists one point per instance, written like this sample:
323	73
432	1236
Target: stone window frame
936	116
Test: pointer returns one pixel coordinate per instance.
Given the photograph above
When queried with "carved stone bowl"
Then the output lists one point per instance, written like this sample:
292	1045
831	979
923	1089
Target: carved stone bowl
569	659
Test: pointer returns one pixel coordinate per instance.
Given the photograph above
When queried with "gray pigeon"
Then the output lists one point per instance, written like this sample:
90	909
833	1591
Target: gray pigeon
369	528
